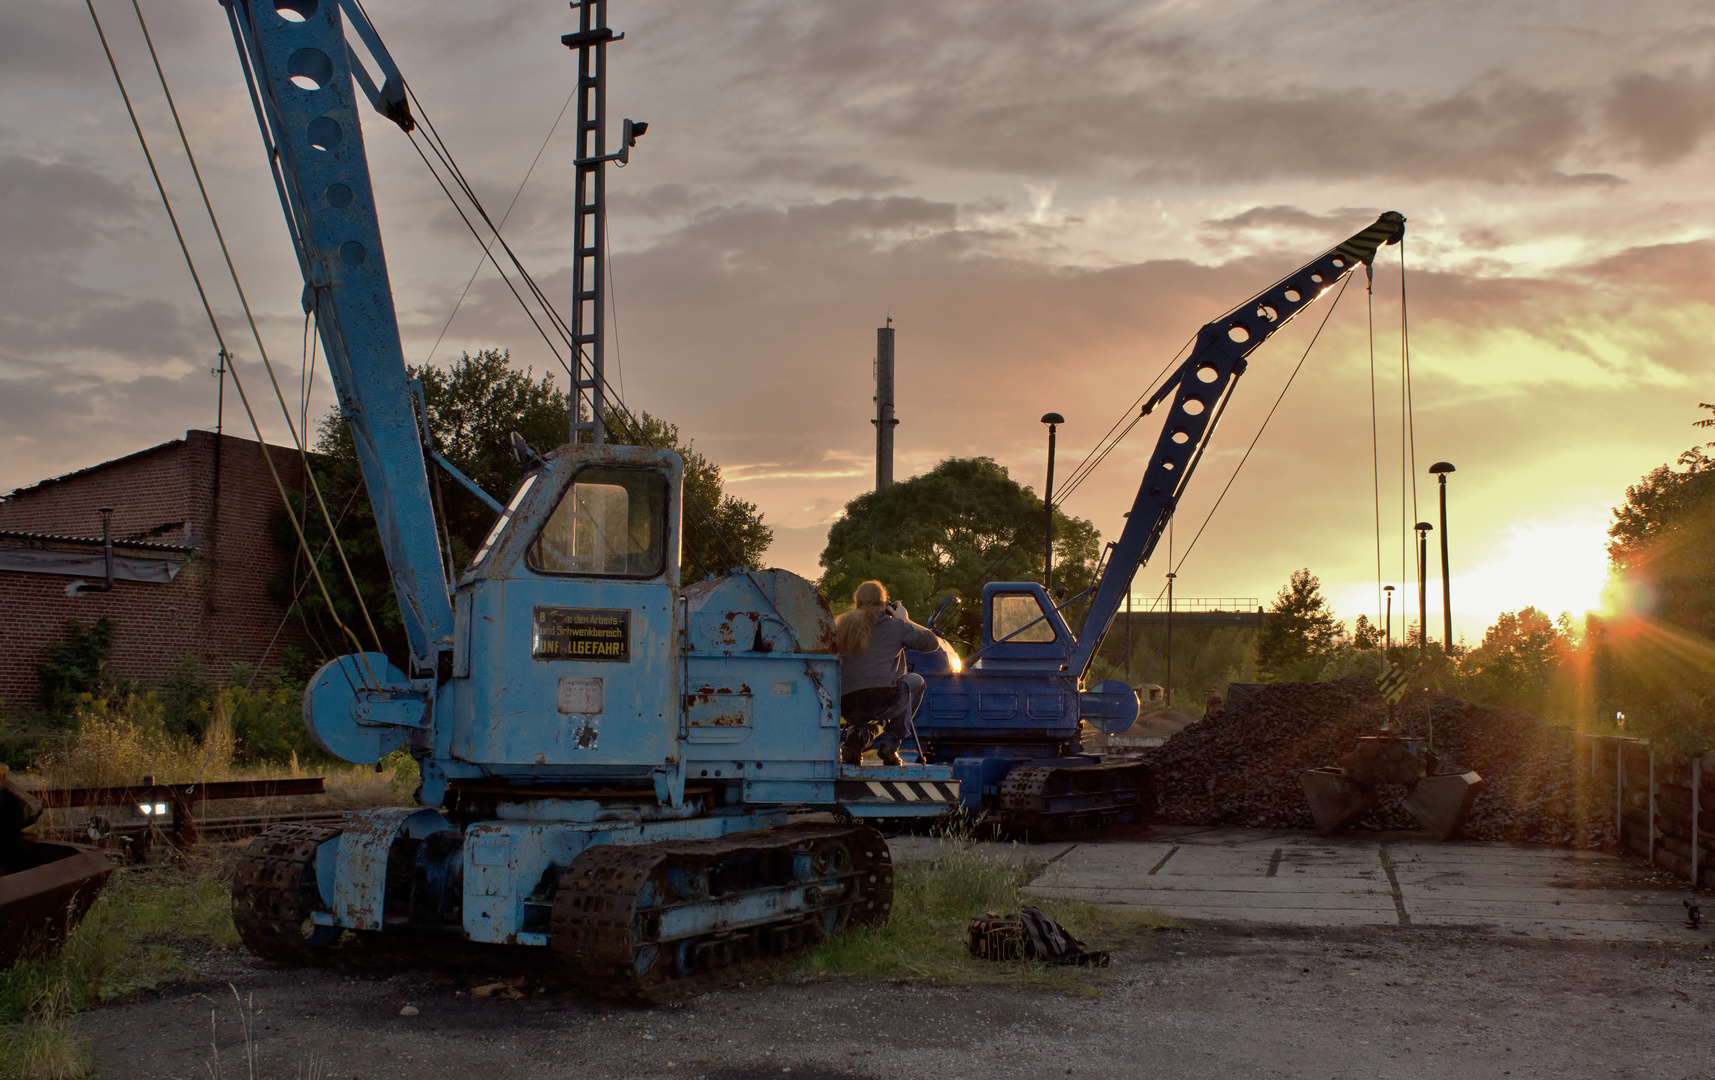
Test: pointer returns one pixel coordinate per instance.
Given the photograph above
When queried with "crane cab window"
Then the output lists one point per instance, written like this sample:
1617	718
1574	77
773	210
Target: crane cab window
609	523
1014	612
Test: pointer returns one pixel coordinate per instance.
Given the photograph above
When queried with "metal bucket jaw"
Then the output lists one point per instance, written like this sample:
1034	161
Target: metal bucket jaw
1441	803
1335	802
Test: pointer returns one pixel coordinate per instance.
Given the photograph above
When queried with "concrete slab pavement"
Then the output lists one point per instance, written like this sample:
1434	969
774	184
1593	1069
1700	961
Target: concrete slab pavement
1273	877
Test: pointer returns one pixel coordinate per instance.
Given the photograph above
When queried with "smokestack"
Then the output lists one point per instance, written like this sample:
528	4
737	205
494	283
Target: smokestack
884	421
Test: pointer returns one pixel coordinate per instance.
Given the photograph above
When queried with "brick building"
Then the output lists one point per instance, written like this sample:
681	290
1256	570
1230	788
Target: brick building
193	557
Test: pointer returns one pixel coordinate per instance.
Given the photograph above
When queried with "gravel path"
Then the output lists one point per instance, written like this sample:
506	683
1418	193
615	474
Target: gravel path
1209	1001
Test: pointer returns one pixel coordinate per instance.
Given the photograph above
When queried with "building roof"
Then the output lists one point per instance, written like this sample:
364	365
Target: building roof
50	538
63	477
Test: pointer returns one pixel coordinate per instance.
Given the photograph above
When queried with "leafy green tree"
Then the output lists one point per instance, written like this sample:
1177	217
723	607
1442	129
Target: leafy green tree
1299	633
1518	661
1365	634
1656	663
1662	542
721	531
473	407
946	533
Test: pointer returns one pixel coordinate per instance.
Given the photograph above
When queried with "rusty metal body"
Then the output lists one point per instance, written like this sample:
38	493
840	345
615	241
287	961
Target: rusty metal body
45	887
1340	795
179	811
44	891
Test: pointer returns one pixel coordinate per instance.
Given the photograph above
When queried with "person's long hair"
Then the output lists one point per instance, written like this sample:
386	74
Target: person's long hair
851	630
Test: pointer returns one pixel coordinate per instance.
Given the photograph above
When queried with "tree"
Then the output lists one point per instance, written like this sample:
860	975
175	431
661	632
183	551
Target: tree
1298	633
1520	656
1366	635
946	533
1662	542
473	407
1656	663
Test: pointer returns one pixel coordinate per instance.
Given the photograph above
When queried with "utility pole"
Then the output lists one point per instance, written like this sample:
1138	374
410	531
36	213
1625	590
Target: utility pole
1440	470
1128	585
1169	686
589	216
884	421
1053	420
1423	528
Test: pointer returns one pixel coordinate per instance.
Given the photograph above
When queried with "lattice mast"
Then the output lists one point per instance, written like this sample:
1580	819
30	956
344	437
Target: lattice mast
589	195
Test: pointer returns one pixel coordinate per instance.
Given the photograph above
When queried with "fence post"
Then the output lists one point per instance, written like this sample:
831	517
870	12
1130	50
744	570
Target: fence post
1696	808
1652	805
1619	791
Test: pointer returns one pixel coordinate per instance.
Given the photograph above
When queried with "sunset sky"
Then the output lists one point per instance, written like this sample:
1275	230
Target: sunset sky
1048	200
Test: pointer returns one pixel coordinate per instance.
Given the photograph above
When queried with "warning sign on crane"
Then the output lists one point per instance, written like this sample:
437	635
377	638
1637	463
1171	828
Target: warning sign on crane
1392	682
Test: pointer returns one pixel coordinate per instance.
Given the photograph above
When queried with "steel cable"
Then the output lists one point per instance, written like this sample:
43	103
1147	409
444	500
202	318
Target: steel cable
250	318
1375	438
208	309
1282	396
503	217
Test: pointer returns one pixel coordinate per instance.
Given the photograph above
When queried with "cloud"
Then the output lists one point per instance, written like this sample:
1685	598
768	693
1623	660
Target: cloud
1069	89
1660	118
58	210
838	176
56	421
1344	221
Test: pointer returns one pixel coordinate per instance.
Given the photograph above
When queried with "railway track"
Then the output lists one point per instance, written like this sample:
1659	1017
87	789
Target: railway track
230	827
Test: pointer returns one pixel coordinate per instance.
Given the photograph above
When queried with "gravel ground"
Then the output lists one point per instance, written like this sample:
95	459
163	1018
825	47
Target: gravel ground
1204	1001
1242	768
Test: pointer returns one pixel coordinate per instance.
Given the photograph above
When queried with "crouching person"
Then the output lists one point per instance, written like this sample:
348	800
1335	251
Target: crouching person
877	696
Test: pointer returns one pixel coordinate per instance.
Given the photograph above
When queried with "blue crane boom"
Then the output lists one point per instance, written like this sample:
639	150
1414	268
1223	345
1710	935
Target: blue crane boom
1201	387
301	73
1008	720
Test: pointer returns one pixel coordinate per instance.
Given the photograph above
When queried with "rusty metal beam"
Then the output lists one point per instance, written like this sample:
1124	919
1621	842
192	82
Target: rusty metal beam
59	798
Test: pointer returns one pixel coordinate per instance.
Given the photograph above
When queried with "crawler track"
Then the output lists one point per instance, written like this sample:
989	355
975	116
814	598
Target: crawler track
659	922
274	891
1053	802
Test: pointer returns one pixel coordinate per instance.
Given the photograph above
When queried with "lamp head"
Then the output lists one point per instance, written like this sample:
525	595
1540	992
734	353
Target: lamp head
1441	468
1424	526
1053	418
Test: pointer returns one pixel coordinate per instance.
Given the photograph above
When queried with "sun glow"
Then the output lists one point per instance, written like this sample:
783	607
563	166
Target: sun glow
1553	568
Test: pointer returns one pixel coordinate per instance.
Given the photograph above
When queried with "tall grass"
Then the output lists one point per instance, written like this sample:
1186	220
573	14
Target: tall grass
43	1046
120	741
129	941
933	903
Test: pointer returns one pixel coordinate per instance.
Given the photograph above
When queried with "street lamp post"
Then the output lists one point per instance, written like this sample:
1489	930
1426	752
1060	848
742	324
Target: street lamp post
1053	420
1170	579
1423	528
1388	621
1440	470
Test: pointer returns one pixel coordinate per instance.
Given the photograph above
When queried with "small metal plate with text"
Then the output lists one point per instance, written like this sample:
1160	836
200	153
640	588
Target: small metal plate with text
563	633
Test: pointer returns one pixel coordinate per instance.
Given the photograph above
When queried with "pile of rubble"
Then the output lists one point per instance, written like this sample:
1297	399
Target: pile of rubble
1241	768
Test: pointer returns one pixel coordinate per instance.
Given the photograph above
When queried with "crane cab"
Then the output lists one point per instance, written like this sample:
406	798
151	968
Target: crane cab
563	626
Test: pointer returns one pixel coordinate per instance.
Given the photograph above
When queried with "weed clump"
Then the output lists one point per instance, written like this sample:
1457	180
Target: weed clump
130	940
933	903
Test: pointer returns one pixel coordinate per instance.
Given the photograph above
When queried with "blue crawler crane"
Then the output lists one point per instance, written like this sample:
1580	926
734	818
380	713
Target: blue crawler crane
1007	719
609	759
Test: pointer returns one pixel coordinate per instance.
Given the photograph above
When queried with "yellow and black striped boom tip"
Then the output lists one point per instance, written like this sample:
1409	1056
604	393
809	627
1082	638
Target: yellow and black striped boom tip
1388	229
